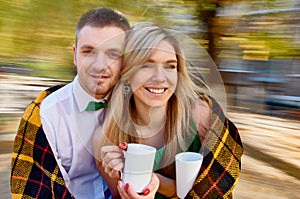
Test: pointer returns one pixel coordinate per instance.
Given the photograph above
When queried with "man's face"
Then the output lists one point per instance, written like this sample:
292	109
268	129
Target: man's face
97	58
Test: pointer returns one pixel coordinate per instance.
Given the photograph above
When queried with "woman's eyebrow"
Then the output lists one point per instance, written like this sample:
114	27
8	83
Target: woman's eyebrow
169	61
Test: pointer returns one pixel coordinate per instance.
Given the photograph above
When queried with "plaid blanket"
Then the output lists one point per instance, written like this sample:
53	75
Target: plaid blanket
34	171
221	165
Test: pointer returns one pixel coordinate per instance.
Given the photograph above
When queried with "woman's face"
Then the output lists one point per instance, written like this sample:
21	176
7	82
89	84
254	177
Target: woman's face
155	81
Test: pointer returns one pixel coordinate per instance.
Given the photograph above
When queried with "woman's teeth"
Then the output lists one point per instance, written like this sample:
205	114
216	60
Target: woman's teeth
156	90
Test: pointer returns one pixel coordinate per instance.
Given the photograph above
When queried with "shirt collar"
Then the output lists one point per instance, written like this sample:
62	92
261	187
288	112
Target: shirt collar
82	98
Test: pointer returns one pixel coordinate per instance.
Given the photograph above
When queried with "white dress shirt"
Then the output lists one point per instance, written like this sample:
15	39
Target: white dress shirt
69	130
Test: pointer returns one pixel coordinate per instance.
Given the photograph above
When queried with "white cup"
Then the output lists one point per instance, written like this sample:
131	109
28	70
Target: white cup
188	165
138	167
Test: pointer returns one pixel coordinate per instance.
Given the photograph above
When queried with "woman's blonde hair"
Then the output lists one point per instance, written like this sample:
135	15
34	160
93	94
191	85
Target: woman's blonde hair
119	125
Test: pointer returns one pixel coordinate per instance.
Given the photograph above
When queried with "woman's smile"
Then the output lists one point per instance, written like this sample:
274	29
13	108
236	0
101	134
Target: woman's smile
156	90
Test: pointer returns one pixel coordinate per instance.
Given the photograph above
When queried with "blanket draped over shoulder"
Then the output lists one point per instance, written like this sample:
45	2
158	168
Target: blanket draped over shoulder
221	165
35	173
34	170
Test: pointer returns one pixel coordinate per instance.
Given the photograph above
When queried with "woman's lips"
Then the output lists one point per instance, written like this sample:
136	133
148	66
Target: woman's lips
156	90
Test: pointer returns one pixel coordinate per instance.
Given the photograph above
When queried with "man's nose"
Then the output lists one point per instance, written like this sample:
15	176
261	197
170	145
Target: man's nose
100	62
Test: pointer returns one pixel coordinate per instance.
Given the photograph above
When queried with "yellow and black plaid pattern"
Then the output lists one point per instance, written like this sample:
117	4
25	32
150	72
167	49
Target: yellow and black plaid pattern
221	166
34	171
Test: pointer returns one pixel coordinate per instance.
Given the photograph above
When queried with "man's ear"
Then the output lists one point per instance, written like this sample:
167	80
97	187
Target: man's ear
74	55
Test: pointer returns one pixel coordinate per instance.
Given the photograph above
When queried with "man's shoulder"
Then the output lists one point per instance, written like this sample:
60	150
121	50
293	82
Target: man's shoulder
56	95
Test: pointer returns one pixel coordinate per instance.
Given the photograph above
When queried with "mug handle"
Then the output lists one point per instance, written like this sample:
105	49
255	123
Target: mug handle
123	147
121	174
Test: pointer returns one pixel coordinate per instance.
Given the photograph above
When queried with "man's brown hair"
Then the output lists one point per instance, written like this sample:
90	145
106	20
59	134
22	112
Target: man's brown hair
102	17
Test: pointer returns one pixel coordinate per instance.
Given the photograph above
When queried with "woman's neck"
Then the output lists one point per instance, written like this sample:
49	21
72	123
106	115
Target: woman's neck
150	116
150	126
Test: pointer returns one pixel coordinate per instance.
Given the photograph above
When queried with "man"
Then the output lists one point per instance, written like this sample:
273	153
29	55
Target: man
52	156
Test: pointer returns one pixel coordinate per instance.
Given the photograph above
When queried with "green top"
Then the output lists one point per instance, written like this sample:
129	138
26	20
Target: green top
194	147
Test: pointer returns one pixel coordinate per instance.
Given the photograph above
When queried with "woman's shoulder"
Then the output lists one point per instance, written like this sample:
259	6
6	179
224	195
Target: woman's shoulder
202	116
201	110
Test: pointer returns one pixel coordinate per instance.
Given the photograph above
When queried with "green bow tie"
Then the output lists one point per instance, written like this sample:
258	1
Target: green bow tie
93	106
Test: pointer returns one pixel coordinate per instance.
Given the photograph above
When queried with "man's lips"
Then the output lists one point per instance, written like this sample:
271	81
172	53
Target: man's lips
100	78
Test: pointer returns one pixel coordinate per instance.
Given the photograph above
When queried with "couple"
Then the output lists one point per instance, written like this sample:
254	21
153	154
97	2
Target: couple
53	150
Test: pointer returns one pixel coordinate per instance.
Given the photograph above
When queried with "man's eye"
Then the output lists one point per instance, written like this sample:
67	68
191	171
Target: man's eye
86	51
114	55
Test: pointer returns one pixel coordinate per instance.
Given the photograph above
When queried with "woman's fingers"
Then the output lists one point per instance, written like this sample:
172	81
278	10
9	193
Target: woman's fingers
126	190
106	150
110	157
113	170
112	160
152	187
123	146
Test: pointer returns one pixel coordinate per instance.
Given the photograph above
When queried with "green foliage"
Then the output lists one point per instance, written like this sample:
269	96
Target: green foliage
44	31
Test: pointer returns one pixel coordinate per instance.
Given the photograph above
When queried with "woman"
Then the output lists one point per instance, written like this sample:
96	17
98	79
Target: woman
157	103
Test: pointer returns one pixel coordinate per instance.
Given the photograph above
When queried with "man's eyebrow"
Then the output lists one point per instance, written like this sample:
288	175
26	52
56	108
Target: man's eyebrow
114	49
87	46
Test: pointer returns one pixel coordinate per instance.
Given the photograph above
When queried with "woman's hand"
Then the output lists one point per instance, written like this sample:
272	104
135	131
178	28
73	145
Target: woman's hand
127	192
112	160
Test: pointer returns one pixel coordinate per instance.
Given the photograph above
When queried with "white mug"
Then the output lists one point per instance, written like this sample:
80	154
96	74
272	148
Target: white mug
138	166
188	165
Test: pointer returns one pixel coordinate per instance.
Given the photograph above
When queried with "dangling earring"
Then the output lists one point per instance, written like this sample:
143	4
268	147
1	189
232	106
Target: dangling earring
126	89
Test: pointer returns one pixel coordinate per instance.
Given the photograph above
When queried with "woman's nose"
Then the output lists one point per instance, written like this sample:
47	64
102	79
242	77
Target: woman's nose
158	74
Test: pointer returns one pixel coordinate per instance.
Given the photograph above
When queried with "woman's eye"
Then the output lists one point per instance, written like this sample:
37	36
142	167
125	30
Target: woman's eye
170	67
145	66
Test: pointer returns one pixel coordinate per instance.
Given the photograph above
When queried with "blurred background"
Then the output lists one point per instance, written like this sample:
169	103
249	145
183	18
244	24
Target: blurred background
255	45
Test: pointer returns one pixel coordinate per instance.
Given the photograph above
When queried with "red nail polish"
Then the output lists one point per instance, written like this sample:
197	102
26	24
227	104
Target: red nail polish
127	186
123	146
146	191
